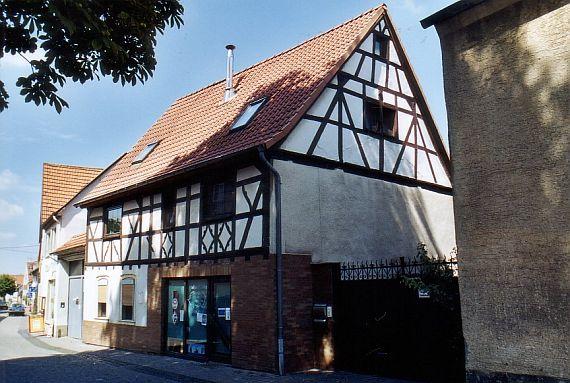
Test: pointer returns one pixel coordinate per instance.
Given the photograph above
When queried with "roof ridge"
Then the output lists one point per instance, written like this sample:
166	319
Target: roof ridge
371	10
72	166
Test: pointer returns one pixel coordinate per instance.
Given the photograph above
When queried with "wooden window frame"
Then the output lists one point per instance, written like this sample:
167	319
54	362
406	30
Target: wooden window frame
106	221
99	280
384	42
168	203
134	284
379	123
206	189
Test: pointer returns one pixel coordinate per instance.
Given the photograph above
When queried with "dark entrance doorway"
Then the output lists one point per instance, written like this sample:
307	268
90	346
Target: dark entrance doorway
384	328
198	318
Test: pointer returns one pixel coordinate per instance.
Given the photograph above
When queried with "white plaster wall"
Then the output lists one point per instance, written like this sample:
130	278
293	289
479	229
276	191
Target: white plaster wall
61	293
338	216
114	276
73	219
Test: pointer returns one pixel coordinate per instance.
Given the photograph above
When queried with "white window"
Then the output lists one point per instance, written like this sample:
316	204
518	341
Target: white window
102	298
127	299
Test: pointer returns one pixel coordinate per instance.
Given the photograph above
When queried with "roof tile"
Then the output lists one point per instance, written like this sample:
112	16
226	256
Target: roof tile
196	128
60	183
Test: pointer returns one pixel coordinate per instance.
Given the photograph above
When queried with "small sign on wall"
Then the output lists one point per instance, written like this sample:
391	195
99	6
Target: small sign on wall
423	293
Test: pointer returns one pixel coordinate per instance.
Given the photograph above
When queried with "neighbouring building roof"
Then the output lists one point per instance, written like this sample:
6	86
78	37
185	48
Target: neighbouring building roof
60	183
76	244
195	130
19	279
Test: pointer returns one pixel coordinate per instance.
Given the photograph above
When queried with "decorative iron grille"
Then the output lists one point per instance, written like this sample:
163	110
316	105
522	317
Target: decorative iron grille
393	268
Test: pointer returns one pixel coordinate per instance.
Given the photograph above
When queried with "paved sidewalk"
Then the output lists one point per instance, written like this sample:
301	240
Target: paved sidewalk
39	358
182	370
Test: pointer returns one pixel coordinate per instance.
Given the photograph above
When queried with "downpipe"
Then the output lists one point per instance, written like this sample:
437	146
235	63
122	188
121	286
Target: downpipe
279	260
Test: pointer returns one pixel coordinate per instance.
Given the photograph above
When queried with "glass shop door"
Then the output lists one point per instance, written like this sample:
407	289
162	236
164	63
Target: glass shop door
199	318
197	339
175	315
220	325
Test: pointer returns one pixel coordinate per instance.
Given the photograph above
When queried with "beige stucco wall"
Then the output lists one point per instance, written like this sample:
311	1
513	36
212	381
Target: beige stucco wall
508	97
337	216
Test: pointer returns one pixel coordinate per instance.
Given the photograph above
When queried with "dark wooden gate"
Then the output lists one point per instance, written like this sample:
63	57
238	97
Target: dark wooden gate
383	327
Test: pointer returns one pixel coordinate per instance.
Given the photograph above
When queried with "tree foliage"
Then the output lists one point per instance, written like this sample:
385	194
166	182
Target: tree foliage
7	285
82	40
438	278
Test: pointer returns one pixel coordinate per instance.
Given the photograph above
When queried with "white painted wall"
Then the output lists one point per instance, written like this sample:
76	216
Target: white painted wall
338	216
114	275
71	222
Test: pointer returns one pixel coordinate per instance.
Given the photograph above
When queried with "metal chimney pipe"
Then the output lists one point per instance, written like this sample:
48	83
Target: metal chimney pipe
230	91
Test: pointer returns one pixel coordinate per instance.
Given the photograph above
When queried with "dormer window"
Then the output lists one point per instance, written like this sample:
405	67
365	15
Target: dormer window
145	152
248	114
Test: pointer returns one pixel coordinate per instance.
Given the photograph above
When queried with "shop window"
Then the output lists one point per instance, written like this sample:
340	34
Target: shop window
219	199
127	299
113	220
102	298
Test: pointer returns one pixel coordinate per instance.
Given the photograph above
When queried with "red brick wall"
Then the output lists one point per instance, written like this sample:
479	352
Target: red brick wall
146	339
253	314
252	307
254	327
297	312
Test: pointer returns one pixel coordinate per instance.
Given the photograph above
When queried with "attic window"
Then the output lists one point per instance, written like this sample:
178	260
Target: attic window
145	152
248	114
381	46
380	119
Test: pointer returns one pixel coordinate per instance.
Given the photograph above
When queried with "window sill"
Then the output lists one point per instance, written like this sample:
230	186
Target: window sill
111	236
101	319
127	322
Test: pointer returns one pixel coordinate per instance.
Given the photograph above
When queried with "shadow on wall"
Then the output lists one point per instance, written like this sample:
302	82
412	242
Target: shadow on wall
360	218
511	152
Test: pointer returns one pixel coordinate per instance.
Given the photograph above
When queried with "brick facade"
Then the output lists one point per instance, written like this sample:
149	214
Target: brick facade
253	312
506	66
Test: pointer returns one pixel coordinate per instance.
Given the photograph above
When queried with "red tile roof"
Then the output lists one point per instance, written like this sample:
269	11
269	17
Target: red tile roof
76	244
60	183
195	129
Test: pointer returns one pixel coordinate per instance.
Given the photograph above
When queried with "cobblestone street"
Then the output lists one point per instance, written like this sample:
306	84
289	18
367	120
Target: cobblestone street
26	358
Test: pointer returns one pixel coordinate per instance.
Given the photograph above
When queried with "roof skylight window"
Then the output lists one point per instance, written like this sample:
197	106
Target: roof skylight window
248	114
145	152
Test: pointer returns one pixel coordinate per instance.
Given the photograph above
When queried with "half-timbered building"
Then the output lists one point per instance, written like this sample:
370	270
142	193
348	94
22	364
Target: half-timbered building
215	236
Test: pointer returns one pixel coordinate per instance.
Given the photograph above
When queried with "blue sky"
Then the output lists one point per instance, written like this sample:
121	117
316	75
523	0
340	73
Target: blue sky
105	119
